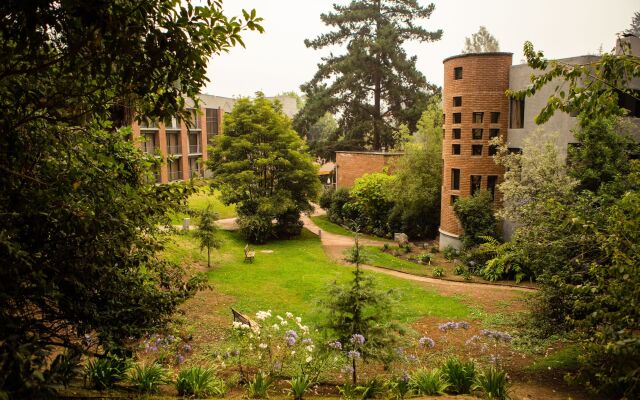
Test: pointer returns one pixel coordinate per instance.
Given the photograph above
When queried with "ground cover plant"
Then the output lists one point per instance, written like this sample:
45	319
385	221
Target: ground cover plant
198	201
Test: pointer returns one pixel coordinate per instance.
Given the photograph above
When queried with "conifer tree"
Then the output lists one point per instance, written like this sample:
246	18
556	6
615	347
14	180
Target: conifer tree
206	232
481	42
375	85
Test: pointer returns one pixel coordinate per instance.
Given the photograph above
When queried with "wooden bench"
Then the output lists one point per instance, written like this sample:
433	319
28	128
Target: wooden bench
249	254
243	319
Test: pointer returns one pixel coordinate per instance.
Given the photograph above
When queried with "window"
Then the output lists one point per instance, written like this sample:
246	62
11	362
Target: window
495	117
491	185
457	118
457	101
455	149
478	117
494	133
453	200
456	133
457	73
151	142
212	121
476	183
172	123
455	179
174	169
476	133
476	150
493	149
173	143
514	150
194	144
516	119
443	131
195	119
444	118
194	166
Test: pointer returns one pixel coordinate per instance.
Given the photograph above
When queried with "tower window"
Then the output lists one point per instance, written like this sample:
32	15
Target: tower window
456	133
476	133
478	117
455	179
476	183
457	118
494	133
457	73
457	101
455	149
495	117
476	150
491	185
493	149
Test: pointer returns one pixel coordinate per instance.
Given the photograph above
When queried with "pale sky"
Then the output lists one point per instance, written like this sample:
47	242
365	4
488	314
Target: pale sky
278	61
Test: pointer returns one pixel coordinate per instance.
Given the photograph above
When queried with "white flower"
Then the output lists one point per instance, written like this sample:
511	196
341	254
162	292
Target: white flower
279	317
309	348
283	323
289	315
293	352
237	324
298	319
305	329
309	359
275	327
262	345
245	326
262	315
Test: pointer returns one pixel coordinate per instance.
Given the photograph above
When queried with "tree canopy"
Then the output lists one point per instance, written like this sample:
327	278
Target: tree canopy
481	42
79	231
634	29
375	86
261	164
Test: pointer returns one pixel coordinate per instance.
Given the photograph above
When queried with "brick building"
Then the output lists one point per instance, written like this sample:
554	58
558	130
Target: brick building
351	165
476	109
182	149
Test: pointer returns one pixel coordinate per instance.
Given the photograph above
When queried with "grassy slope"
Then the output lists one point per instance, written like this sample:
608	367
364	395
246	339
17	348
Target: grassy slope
295	276
200	199
323	223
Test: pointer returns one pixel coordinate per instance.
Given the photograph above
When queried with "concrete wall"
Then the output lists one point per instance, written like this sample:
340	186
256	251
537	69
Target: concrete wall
351	165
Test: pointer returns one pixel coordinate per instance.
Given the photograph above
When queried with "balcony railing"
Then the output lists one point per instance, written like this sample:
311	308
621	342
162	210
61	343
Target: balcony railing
175	150
195	149
195	172
175	175
149	148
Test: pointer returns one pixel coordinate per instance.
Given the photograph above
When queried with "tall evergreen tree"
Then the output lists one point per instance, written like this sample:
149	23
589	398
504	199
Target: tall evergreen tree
375	86
634	29
481	42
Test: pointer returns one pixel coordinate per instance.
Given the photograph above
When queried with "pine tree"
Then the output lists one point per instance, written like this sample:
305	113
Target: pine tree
481	42
206	232
634	29
375	86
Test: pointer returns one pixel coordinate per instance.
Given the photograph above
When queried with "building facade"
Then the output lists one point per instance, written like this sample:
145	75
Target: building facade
476	110
351	165
182	148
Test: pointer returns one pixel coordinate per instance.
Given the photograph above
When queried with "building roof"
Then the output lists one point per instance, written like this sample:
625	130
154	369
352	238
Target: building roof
380	153
327	168
490	53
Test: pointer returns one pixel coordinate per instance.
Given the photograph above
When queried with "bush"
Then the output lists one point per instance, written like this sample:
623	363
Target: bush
438	272
65	367
299	386
406	248
288	224
399	387
428	382
371	202
339	198
348	391
425	258
199	382
326	199
255	228
374	388
493	383
259	387
103	373
476	215
450	253
147	378
459	375
386	247
459	269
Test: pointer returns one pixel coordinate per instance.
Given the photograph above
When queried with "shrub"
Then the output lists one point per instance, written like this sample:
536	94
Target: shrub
493	383
386	247
103	373
199	382
299	386
434	249
425	258
326	199
374	388
459	375
399	387
405	247
459	269
147	378
259	387
450	253
348	391
428	382
255	228
288	224
65	367
372	199
438	272
339	198
476	215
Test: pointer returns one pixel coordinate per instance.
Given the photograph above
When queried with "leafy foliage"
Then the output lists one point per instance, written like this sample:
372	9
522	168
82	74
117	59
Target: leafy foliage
147	378
258	388
206	232
494	383
460	375
79	224
634	29
375	86
103	373
428	382
199	382
262	165
481	42
299	385
370	202
476	215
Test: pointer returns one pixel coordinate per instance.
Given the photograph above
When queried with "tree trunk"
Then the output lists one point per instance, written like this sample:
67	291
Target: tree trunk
353	371
208	257
377	126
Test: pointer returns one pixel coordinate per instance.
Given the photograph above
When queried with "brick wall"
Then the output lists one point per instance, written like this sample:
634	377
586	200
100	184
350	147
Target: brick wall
352	165
485	78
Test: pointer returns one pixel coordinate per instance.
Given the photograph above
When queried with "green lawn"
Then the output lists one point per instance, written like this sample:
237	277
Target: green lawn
375	256
295	276
200	199
323	223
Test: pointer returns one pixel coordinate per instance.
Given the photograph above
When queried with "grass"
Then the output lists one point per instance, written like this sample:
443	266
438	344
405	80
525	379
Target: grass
565	359
199	200
295	276
375	256
323	223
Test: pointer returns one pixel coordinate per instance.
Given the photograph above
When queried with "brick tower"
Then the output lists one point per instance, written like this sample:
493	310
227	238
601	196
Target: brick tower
475	110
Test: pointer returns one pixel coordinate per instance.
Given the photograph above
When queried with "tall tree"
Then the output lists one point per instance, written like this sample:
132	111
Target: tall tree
79	231
262	165
481	42
374	86
634	29
206	232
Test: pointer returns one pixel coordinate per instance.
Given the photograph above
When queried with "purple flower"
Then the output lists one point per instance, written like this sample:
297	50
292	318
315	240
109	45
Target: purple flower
277	365
290	340
412	358
153	348
472	340
186	348
346	370
497	335
291	333
453	325
357	339
427	342
335	345
179	359
307	341
353	354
